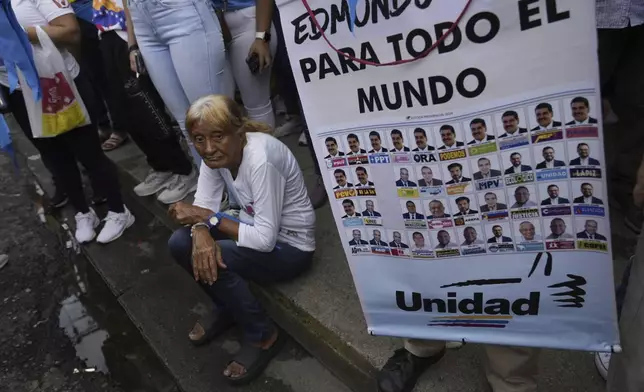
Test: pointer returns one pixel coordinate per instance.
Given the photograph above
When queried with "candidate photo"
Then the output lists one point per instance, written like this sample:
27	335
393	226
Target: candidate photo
370	209
332	148
580	108
492	204
354	145
558	230
357	238
377	240
349	209
420	136
587	195
510	120
398	141
543	113
516	166
363	178
470	236
549	161
529	232
485	170
553	197
456	172
590	231
341	179
444	240
397	242
418	239
411	211
376	143
437	209
497	236
403	179
448	137
584	158
428	177
478	127
463	205
522	198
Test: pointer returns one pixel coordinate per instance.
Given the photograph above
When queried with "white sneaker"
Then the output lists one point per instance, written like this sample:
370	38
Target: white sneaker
293	124
302	141
601	362
85	225
154	182
178	188
115	225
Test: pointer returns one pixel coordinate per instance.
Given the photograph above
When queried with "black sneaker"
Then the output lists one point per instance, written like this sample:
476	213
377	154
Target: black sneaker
98	200
402	370
59	200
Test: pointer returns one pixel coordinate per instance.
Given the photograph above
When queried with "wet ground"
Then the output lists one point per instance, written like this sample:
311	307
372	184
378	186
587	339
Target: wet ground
60	327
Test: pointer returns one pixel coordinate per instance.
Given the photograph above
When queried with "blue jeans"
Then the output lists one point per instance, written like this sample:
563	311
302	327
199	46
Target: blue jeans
183	49
230	292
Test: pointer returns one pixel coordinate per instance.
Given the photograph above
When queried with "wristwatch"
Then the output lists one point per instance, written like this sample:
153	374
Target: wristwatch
263	35
214	220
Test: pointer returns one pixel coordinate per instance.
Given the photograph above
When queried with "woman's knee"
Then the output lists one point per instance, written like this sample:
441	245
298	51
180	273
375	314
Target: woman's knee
180	245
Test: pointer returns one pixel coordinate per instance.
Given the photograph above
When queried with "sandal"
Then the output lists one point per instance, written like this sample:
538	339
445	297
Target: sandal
213	324
402	370
255	359
114	142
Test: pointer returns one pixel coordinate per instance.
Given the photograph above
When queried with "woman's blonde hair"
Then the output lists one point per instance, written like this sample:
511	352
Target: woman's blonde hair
221	112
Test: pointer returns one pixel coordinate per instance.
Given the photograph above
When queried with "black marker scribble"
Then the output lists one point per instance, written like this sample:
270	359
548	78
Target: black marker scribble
575	293
483	282
547	271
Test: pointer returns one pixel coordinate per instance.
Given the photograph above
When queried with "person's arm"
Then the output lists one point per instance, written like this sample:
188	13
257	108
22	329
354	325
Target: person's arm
210	189
269	186
131	38
63	31
263	18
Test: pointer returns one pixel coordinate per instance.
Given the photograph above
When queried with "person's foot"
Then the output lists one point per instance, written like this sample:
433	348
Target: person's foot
302	141
154	182
292	125
178	187
402	370
601	362
235	370
85	225
317	193
59	200
115	141
115	225
98	200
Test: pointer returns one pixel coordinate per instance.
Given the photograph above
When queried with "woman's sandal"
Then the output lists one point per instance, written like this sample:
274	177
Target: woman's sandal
213	324
255	359
402	370
115	141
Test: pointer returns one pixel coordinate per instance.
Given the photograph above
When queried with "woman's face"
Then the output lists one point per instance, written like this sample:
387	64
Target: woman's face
218	148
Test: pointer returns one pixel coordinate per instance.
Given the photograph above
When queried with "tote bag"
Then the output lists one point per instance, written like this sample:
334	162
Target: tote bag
61	108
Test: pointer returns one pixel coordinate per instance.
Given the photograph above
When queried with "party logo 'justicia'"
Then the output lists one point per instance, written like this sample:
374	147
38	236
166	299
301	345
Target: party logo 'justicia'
478	311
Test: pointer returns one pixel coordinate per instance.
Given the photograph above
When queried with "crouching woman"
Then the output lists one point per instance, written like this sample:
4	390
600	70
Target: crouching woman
271	240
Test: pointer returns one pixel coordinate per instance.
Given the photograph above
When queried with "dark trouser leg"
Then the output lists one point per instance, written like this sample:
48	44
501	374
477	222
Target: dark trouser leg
231	288
92	63
145	121
611	44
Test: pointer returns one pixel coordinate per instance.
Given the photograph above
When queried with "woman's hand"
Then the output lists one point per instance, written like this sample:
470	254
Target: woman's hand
206	256
263	51
187	214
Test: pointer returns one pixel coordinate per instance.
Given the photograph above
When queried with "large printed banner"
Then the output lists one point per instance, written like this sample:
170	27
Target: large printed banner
468	186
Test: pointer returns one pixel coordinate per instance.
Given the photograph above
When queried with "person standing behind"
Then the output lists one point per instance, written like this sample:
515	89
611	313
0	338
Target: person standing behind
183	49
171	172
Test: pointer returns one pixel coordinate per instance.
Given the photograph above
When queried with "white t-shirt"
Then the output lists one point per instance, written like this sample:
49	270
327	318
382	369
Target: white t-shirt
270	190
40	13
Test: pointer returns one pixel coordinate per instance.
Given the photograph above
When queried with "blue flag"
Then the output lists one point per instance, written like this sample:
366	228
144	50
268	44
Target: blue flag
5	140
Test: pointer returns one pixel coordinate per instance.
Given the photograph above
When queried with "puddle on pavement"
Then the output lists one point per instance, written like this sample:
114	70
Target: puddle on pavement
104	337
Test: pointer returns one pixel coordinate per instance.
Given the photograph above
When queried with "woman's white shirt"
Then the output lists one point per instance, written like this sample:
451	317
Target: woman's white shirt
40	13
275	206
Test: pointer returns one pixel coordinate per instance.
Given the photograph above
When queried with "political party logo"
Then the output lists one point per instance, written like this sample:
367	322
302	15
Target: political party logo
552	174
452	154
352	222
466	220
589	210
401	157
372	221
483	148
489	184
547	136
525	213
336	162
447	253
360	250
358	159
415	224
366	191
344	193
424	157
495	215
475	310
584	132
457	189
378	158
431	190
407	192
472	250
530	246
585	172
519	178
422	253
559	210
440	223
400	252
502	247
593	245
513	142
380	250
560	245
